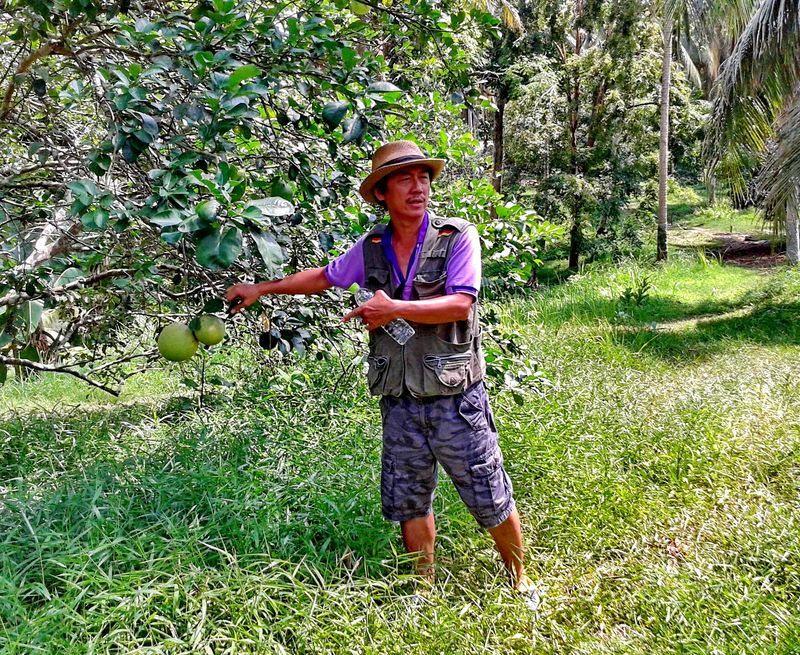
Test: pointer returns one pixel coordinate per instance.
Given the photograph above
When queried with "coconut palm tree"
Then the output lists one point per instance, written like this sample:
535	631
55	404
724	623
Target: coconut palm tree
683	22
756	112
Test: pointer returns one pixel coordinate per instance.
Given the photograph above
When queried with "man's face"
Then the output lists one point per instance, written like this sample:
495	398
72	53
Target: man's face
407	191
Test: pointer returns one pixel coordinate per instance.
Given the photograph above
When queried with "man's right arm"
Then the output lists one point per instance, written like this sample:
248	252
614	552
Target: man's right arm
305	282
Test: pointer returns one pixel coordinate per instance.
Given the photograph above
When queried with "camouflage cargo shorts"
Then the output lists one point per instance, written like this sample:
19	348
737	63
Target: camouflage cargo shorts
457	432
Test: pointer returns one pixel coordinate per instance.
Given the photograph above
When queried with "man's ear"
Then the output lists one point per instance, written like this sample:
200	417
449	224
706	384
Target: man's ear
377	193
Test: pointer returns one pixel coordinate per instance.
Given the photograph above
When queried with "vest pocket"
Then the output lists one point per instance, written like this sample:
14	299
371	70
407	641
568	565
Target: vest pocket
450	370
376	373
430	288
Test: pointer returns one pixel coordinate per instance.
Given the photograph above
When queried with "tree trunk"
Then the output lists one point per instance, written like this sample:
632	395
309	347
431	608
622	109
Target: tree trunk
575	236
663	150
712	190
793	230
497	164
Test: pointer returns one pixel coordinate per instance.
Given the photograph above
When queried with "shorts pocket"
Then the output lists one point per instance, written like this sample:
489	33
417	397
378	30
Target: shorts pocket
387	486
489	486
451	370
377	373
473	414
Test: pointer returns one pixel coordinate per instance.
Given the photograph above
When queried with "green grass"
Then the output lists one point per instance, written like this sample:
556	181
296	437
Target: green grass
657	475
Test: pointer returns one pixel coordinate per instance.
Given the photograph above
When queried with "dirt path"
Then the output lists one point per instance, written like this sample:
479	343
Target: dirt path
731	247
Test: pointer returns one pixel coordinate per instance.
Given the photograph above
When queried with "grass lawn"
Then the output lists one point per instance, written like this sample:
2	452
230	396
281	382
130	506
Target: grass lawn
656	469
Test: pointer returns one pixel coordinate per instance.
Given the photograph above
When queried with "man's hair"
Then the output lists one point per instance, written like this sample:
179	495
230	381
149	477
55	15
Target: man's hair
381	184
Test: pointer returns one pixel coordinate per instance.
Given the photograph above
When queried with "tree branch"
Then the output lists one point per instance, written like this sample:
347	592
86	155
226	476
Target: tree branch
13	297
47	49
37	366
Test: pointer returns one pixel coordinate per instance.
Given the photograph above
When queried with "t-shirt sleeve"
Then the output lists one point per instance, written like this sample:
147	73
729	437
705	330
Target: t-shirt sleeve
347	267
464	267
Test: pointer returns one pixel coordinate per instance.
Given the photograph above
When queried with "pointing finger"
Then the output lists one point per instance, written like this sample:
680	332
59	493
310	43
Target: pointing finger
353	314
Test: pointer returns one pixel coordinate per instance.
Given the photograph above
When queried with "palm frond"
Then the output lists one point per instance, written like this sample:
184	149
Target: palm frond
672	9
734	15
510	17
688	64
780	176
501	9
753	85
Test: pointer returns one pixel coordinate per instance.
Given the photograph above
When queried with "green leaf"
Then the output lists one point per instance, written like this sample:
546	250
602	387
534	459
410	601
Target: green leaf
5	339
207	249
230	245
273	206
166	218
207	209
354	129
241	74
334	112
219	250
95	219
383	87
171	237
349	58
149	124
83	190
30	353
281	189
69	275
213	306
270	251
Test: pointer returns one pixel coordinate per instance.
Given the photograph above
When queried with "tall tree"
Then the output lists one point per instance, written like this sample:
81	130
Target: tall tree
580	124
667	22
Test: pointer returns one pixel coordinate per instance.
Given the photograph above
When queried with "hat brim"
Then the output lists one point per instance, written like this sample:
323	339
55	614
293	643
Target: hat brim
367	188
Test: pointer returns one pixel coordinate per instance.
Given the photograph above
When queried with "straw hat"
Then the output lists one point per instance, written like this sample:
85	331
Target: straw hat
392	157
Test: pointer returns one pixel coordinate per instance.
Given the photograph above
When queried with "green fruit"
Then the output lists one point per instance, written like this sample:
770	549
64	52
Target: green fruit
176	342
210	330
353	288
359	8
282	189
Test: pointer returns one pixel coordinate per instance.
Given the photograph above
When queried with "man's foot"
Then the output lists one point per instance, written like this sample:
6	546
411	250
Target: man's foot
527	589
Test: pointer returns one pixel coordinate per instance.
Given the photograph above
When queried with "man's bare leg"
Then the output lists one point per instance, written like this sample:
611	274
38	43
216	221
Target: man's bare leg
419	536
508	539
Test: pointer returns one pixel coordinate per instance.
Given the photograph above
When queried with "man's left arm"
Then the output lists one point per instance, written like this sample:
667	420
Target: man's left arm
382	309
463	282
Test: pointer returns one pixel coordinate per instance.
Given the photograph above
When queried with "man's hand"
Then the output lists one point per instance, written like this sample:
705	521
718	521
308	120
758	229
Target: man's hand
240	296
377	311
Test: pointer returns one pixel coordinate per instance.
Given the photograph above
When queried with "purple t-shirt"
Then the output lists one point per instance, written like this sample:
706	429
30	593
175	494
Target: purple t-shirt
463	268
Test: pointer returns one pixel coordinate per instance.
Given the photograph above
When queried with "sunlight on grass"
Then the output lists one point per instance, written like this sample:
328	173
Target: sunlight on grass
657	478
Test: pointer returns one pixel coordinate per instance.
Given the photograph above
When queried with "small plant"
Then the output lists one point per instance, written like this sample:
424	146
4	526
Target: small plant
638	292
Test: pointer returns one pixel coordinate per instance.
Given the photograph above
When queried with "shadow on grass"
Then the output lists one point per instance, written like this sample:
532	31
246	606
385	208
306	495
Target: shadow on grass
655	308
68	435
680	211
209	496
771	324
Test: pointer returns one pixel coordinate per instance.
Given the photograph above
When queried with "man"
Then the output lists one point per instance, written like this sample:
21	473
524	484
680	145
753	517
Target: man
434	406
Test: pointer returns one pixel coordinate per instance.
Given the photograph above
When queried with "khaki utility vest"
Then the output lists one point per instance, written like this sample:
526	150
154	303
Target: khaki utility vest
439	360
